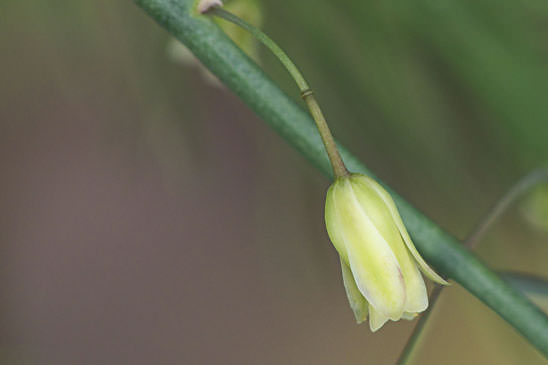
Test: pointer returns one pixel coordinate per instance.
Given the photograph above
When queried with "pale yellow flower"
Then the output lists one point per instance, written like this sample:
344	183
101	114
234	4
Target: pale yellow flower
380	263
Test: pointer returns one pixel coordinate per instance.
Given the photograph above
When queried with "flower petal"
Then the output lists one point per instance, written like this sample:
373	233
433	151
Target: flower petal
373	264
333	222
355	298
427	270
376	319
409	316
381	216
417	296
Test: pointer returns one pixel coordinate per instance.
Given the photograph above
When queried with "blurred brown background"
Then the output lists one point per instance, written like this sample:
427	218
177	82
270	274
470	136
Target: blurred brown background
147	216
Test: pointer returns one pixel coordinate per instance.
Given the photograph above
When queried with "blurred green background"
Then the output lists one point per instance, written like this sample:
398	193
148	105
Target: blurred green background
147	216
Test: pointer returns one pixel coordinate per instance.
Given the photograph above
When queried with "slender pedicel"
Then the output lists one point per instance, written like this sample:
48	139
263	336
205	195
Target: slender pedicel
339	168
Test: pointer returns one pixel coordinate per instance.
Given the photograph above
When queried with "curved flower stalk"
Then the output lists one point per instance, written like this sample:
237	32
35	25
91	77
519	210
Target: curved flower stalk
379	261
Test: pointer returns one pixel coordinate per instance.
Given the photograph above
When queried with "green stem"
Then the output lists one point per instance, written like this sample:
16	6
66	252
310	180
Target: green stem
267	41
339	169
413	340
525	184
248	81
528	284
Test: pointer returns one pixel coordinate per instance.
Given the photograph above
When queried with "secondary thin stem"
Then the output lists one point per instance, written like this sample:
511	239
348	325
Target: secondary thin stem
339	168
525	184
522	186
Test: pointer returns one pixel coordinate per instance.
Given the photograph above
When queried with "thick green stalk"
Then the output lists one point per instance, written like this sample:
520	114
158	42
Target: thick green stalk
249	82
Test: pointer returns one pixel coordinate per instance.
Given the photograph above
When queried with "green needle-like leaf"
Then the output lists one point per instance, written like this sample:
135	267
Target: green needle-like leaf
528	284
250	83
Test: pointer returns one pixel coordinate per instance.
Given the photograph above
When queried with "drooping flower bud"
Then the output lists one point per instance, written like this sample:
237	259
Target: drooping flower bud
380	263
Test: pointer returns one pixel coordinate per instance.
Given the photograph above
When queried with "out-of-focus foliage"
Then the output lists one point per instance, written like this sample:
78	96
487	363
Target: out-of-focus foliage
251	12
456	87
535	208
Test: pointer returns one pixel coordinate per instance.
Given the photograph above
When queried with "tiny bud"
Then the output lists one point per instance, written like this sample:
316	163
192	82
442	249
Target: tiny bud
206	5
